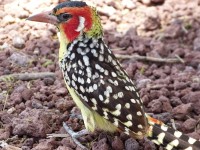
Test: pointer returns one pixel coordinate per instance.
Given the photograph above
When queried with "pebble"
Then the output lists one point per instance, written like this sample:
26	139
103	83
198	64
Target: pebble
61	91
20	59
117	144
8	19
101	144
180	112
155	106
131	144
196	44
27	94
117	18
18	42
189	124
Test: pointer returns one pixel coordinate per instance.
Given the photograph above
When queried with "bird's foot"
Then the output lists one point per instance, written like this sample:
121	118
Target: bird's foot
73	115
75	135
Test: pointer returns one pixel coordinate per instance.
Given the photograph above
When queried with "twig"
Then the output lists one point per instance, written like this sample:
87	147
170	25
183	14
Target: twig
152	59
57	135
6	146
5	102
180	59
27	76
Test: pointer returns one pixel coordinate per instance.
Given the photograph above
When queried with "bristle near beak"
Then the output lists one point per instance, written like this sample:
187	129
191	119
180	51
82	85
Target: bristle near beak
45	17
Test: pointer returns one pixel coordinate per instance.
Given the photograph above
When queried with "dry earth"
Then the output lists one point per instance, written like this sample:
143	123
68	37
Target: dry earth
32	108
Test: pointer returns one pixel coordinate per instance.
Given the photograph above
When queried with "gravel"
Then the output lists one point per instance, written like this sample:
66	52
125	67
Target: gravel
163	29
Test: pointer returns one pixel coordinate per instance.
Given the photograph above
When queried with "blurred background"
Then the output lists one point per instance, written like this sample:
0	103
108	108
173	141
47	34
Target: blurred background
165	33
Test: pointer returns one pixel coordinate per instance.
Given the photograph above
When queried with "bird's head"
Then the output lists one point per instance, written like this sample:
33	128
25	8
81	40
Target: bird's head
73	18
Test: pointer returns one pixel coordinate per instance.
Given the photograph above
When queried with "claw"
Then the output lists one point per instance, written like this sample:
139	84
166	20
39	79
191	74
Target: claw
75	135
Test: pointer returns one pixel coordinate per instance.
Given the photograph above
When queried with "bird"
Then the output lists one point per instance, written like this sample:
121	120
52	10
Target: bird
106	96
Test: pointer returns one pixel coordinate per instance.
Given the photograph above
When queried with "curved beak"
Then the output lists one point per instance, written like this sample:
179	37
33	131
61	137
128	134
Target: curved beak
45	17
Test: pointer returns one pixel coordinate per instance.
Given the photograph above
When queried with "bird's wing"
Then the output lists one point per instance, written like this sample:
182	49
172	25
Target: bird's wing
105	87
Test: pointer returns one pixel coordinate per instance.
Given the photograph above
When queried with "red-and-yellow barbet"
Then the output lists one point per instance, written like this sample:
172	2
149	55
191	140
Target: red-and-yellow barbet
99	86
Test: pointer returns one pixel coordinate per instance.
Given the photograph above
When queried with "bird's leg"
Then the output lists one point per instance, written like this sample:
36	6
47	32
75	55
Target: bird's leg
76	116
75	135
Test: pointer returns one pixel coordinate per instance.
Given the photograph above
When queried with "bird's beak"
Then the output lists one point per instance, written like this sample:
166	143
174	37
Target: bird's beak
45	17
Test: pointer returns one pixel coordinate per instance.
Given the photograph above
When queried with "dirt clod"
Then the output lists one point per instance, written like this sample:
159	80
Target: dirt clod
32	122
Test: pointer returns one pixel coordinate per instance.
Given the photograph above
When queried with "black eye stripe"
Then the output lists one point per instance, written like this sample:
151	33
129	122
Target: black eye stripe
64	17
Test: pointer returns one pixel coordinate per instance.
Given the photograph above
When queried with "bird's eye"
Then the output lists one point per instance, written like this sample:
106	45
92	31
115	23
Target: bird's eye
64	17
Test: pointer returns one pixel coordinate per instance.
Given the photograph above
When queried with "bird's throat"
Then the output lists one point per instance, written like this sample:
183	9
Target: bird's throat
69	29
63	44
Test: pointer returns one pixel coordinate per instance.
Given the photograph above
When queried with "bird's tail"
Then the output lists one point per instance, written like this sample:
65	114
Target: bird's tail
169	138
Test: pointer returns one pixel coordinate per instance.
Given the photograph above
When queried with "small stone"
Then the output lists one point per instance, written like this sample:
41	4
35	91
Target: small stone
155	106
194	135
28	142
179	85
49	81
61	91
189	124
196	44
146	2
5	133
164	117
20	59
131	144
16	98
174	30
11	110
6	118
33	123
166	106
117	144
8	19
64	148
45	144
143	83
101	145
148	145
4	46
151	24
159	47
159	73
195	86
175	101
23	14
108	10
63	104
27	94
128	4
68	142
155	94
193	97
36	104
181	111
18	42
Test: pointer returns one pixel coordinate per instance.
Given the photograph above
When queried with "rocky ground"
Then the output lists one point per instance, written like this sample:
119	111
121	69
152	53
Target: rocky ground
32	107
